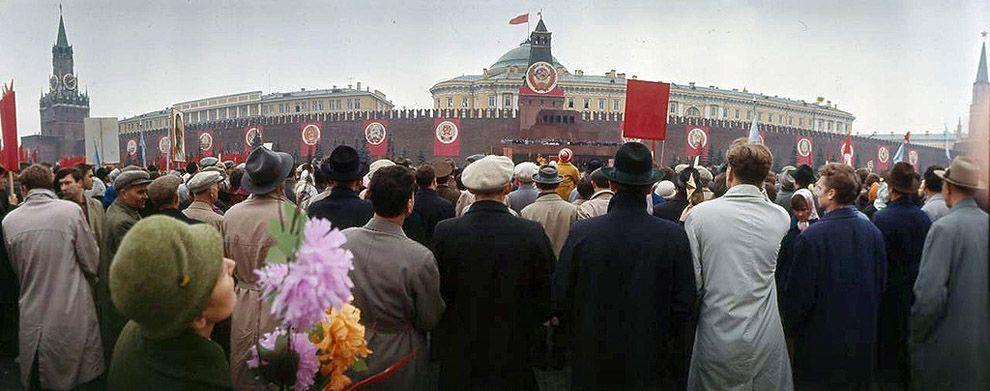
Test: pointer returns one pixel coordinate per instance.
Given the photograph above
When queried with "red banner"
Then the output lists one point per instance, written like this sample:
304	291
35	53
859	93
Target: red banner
376	137
206	142
696	141
309	136
446	137
8	124
883	157
805	150
646	110
71	161
254	136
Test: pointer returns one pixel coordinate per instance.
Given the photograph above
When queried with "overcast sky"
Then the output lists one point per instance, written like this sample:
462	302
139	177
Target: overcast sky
896	65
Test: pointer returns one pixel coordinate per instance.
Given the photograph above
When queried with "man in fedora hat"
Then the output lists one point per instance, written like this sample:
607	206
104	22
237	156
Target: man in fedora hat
950	317
495	270
343	207
549	209
904	227
246	240
734	243
624	285
131	186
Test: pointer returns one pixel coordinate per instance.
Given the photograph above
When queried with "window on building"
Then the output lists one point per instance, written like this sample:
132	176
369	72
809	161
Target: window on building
780	119
357	103
507	101
601	104
213	114
492	100
713	111
223	113
800	121
749	115
438	103
830	125
587	103
252	110
570	103
692	112
821	124
790	121
615	104
450	101
737	114
673	107
464	102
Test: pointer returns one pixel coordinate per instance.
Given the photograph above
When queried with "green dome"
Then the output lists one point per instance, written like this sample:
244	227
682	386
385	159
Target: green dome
517	56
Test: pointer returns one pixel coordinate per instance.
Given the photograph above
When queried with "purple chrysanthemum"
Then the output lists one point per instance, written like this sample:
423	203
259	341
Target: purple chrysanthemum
315	281
309	364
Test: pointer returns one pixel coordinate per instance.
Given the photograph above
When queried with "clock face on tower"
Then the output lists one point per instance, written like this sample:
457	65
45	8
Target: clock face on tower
70	81
54	82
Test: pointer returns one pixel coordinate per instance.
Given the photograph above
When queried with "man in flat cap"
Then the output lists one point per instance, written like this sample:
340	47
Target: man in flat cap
950	317
246	241
163	192
131	186
205	190
551	211
526	193
496	271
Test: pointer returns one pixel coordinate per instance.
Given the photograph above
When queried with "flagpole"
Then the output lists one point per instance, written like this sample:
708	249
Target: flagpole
663	143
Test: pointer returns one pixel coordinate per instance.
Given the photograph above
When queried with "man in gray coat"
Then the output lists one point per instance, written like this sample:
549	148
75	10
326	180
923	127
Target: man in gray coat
950	318
526	193
396	283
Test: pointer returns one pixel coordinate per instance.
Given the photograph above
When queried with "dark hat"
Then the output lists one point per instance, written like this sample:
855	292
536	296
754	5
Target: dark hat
902	178
803	174
343	165
265	170
443	168
633	166
963	172
474	158
164	272
547	175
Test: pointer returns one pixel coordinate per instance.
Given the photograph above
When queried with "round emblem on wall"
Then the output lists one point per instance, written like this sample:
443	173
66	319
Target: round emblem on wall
541	77
163	144
697	138
131	147
883	154
913	157
446	132
205	142
374	133
311	134
804	147
253	135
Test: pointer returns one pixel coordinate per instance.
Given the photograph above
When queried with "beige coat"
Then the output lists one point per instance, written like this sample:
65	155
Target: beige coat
397	288
203	212
596	206
52	251
95	215
246	241
555	215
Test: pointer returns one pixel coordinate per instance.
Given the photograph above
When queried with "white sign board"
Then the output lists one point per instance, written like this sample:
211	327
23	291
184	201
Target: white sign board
102	140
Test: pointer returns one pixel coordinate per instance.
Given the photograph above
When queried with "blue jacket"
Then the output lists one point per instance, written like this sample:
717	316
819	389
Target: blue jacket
832	299
625	282
343	208
904	227
429	208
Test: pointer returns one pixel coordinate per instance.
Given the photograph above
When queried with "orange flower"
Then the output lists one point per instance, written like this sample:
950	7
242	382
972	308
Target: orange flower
340	341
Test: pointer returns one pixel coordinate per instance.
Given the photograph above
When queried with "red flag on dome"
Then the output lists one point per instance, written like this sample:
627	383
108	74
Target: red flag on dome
446	137
524	18
646	110
376	137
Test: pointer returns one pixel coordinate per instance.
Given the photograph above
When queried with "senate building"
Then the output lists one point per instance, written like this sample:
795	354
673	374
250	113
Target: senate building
497	88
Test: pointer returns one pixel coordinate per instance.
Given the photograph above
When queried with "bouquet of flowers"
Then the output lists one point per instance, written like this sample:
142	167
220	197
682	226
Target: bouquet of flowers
320	334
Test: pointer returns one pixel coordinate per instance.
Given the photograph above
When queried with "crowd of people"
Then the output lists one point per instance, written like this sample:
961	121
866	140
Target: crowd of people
631	275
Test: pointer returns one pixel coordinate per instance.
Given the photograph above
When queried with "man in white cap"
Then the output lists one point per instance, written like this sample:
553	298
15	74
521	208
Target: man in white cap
526	193
950	317
496	272
205	188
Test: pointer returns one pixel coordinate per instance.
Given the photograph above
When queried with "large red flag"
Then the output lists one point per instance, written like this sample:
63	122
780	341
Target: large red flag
8	124
847	149
524	18
883	157
805	150
646	110
254	136
446	137
309	133
696	141
376	135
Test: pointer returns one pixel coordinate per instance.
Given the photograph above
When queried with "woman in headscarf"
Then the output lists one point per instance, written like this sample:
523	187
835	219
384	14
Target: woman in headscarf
803	214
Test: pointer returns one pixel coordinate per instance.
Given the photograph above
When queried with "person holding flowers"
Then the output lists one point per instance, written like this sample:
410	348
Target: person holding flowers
396	282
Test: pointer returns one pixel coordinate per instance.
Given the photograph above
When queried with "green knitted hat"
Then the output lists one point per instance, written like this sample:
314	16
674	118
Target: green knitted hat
164	272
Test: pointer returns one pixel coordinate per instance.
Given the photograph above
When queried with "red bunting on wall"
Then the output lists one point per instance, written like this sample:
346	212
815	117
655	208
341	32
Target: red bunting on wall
696	141
309	136
376	137
446	137
805	150
205	142
883	157
254	135
646	110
